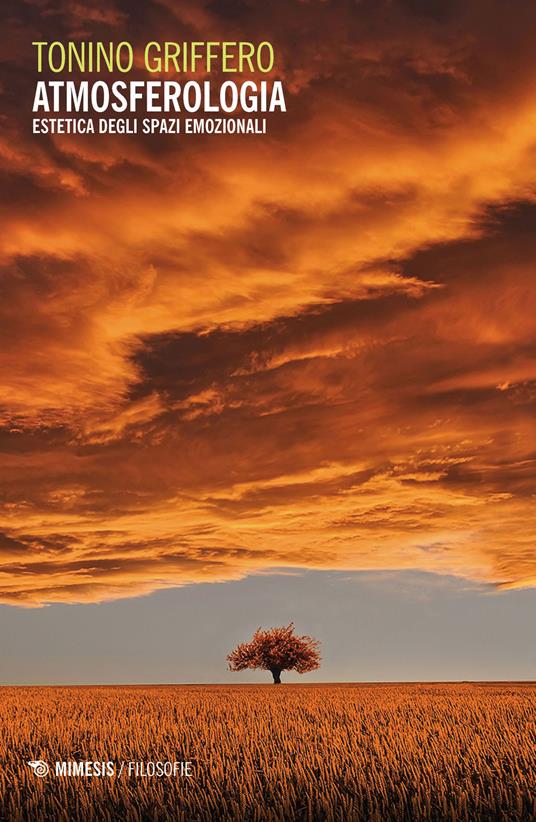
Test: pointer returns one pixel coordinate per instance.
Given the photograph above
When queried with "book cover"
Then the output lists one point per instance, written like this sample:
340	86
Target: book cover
267	410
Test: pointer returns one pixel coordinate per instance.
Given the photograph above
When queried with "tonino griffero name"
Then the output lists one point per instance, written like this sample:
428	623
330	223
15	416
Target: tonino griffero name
158	96
89	56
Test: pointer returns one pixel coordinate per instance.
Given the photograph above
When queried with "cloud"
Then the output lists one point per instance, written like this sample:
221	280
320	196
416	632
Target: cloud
317	349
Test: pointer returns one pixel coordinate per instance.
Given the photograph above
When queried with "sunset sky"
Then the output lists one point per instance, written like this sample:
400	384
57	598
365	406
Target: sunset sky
224	357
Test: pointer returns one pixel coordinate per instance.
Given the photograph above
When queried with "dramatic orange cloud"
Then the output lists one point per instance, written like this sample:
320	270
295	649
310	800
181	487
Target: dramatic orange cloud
314	349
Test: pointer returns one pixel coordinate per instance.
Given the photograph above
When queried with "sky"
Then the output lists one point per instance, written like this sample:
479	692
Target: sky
312	350
372	627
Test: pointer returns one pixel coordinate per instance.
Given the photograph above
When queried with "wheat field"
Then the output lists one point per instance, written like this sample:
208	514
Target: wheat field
311	752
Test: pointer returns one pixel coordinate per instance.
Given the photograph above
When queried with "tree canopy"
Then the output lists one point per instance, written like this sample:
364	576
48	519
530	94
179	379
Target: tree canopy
276	650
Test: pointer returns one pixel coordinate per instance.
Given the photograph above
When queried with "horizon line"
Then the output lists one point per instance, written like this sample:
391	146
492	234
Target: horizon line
268	684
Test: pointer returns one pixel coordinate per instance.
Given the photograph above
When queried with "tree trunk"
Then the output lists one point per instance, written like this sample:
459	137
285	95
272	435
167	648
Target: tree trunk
276	673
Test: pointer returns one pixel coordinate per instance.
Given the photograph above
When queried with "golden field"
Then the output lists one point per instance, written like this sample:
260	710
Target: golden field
333	752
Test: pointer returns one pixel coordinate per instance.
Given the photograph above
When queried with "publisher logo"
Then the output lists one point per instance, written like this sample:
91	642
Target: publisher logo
111	768
39	767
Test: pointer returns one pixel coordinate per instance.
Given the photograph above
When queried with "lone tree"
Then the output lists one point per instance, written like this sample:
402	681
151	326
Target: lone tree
276	650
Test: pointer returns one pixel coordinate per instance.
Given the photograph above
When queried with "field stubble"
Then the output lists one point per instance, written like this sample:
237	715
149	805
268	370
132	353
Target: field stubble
313	752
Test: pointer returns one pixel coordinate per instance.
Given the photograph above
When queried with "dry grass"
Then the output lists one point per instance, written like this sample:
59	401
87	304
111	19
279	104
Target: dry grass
341	752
